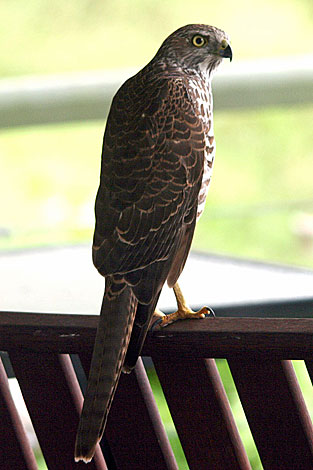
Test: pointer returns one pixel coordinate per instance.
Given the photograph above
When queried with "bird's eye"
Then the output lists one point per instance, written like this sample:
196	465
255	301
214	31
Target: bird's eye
198	40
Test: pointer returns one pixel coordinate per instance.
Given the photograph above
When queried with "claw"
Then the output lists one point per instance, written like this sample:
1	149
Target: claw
210	312
159	320
156	319
156	324
183	314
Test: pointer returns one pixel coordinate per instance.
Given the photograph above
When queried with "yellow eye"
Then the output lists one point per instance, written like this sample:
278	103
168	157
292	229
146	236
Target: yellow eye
198	40
224	44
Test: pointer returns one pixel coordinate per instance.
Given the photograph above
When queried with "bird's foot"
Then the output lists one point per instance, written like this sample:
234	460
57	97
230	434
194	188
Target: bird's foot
160	320
185	313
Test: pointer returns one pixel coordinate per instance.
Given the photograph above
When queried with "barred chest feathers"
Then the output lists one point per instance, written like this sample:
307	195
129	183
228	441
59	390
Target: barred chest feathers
201	95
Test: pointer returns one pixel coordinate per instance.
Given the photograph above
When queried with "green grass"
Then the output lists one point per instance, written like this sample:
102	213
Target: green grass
50	174
40	461
167	419
261	185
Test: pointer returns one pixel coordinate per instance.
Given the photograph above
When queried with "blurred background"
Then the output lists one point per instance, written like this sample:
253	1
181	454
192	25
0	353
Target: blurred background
260	203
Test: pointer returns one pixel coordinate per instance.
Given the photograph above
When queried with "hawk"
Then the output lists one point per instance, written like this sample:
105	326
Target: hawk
157	159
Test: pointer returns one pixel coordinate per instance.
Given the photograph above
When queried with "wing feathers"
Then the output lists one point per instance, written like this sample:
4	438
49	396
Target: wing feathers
152	165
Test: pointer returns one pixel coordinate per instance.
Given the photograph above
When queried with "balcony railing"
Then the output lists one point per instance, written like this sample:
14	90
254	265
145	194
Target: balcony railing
85	96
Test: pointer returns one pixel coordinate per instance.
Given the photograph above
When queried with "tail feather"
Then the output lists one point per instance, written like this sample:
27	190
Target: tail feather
139	333
113	334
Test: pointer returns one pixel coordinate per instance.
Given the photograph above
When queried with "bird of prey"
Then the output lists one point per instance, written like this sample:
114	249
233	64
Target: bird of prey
157	159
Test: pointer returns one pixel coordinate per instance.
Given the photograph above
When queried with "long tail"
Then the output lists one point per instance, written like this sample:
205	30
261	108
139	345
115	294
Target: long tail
113	334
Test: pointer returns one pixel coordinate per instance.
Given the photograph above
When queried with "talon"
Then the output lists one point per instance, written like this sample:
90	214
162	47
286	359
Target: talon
156	324
183	314
156	319
210	312
168	319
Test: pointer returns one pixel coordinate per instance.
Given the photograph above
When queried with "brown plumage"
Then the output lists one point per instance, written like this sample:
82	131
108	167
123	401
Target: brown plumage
158	152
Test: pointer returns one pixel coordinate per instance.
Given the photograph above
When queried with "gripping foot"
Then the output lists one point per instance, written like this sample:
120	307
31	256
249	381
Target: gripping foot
182	313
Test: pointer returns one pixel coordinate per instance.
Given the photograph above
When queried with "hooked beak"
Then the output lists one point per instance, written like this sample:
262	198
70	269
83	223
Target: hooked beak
226	52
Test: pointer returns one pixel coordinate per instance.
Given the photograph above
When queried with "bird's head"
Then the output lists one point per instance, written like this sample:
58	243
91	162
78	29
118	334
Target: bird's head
196	48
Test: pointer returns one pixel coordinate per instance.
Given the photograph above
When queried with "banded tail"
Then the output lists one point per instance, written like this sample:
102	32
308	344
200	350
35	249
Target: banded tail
113	334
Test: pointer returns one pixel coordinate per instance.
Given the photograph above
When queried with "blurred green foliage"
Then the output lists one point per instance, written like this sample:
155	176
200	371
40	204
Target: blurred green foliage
261	185
48	37
263	163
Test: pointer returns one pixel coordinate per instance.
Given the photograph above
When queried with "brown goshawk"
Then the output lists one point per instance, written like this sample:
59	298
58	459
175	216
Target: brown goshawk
157	159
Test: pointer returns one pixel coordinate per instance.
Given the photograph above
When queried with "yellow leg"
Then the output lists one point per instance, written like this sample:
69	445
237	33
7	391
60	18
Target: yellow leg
183	311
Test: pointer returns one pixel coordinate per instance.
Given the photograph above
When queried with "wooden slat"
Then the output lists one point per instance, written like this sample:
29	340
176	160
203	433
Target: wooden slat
275	408
201	414
134	420
276	412
15	450
52	397
280	338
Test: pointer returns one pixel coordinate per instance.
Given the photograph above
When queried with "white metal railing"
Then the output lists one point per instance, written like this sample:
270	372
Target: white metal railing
85	96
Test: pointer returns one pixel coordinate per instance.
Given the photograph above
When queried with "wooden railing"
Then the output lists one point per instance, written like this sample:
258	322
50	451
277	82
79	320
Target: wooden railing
258	351
36	100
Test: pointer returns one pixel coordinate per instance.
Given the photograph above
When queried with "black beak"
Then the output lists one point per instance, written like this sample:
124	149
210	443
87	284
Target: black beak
227	53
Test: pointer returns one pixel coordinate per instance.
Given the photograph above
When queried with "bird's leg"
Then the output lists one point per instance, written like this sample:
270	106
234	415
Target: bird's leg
183	311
